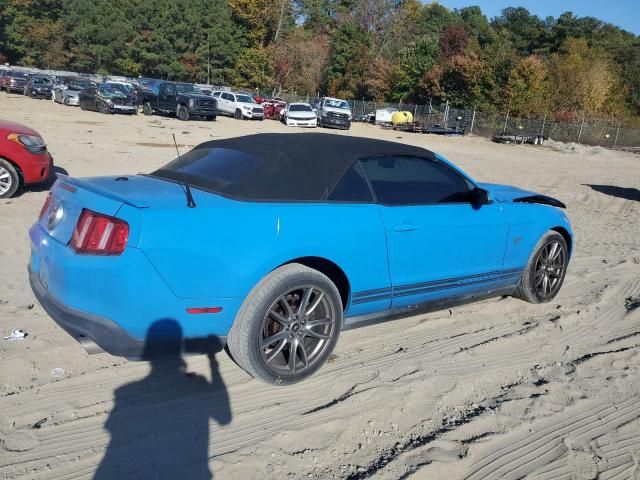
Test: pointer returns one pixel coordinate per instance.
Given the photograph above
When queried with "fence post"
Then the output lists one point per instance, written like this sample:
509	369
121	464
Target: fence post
473	120
504	128
615	142
580	131
544	121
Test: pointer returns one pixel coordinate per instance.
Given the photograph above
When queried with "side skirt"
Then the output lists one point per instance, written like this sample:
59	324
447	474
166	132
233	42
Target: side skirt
426	307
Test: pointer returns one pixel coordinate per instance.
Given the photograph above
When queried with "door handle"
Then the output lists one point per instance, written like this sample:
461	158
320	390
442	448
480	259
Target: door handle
404	227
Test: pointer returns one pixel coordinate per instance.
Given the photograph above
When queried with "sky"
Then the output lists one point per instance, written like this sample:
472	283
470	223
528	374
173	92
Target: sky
623	13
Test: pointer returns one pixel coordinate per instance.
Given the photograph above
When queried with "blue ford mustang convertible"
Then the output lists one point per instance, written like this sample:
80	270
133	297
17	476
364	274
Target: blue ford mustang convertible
274	243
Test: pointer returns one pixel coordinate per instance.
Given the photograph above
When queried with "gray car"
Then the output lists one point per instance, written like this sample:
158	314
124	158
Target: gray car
66	94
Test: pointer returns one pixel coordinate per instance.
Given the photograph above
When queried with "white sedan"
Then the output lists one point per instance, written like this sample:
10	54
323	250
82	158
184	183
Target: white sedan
300	115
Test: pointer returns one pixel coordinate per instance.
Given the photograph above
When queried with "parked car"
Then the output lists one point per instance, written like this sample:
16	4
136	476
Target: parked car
24	159
13	81
185	100
68	90
127	90
334	113
225	241
150	84
104	98
300	115
240	106
38	86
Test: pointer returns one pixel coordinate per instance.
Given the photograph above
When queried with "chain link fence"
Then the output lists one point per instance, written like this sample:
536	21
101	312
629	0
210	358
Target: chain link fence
606	132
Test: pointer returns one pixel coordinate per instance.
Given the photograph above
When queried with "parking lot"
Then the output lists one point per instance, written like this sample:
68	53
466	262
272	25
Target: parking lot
497	389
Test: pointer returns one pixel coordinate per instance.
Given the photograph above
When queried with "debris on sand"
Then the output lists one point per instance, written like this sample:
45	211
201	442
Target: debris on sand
631	303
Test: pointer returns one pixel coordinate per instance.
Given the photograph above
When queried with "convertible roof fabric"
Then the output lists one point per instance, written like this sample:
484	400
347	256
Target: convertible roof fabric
301	166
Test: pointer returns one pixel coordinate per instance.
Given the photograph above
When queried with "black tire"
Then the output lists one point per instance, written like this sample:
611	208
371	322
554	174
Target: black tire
182	113
83	106
237	114
540	267
147	109
65	101
210	118
9	178
253	322
104	109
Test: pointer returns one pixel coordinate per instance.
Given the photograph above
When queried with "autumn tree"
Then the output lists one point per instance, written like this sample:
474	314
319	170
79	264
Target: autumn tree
528	87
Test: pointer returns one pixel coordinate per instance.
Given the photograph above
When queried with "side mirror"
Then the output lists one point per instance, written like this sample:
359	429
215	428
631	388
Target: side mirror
479	196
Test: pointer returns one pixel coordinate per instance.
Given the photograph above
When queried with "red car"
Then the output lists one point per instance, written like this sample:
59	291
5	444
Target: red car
24	158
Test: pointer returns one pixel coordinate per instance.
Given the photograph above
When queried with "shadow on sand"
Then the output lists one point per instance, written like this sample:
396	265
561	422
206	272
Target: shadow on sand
626	193
159	425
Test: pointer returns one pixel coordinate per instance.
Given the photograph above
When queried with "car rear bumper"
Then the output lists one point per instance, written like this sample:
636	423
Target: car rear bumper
83	326
115	301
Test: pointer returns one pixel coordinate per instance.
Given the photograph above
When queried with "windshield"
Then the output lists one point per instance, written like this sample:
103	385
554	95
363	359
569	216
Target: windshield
18	75
300	108
121	88
41	80
188	88
336	104
107	91
84	83
244	99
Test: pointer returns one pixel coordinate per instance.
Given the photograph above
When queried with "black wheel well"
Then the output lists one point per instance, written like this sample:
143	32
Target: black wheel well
331	270
565	234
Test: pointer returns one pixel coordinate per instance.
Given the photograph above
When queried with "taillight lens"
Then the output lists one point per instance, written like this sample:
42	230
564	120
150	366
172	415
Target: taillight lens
45	207
98	234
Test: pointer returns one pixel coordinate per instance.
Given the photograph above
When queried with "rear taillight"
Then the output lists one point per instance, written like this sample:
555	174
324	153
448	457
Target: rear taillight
45	207
98	234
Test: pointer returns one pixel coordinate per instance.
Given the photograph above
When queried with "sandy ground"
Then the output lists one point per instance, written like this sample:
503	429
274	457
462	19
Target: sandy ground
498	389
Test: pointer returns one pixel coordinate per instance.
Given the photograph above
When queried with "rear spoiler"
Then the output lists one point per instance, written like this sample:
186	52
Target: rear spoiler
69	182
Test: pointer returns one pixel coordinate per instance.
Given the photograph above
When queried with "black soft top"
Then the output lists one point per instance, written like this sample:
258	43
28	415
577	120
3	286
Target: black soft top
287	166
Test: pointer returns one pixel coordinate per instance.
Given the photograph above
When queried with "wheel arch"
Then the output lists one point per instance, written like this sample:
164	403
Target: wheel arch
566	235
331	270
16	166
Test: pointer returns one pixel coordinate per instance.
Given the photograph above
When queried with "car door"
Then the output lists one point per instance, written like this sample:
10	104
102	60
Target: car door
440	244
167	97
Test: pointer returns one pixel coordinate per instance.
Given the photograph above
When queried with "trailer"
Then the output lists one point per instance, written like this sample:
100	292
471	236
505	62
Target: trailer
521	138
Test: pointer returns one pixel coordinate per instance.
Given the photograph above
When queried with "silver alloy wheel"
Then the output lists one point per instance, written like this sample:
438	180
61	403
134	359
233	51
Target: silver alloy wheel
297	330
6	181
550	267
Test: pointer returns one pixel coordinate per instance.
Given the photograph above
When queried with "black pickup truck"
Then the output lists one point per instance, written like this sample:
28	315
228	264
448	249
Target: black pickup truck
182	99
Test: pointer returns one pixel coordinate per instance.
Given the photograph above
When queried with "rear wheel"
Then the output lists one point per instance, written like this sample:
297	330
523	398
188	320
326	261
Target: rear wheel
288	325
545	272
9	179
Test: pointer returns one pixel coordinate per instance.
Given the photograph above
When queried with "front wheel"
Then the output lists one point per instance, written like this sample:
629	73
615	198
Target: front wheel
9	179
182	113
237	115
287	326
146	108
545	272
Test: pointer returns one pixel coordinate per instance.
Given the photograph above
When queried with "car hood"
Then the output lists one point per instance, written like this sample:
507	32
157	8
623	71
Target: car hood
337	110
13	127
195	96
508	193
250	105
302	114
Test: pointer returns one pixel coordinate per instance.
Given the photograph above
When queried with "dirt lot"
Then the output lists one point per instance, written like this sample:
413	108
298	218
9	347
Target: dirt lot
498	389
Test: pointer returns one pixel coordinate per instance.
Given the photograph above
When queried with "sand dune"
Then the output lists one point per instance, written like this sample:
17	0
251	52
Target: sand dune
497	389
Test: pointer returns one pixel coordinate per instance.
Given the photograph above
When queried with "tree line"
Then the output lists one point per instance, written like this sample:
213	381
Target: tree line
383	50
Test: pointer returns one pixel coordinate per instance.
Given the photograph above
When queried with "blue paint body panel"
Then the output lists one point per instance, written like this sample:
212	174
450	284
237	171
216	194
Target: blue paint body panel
214	255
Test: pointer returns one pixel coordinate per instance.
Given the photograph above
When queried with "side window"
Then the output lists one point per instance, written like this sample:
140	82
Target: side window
352	187
415	181
226	96
216	94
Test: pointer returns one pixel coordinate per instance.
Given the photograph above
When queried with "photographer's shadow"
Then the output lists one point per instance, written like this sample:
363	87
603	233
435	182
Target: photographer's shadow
159	425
